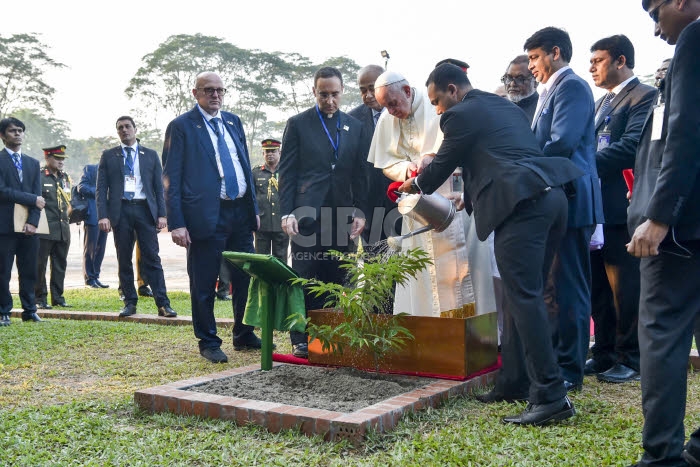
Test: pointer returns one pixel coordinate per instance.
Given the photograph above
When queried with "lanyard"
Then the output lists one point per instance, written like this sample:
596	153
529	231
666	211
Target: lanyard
337	135
133	159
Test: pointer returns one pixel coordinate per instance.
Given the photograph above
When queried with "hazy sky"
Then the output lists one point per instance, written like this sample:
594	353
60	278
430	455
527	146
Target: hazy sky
102	43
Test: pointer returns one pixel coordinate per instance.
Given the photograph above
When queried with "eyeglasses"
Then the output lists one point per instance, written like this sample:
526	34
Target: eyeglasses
210	91
655	12
520	80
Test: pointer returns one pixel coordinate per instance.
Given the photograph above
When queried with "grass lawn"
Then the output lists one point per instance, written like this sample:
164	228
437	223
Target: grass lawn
66	398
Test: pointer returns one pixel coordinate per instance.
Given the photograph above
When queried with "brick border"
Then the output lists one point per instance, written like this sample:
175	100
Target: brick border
112	316
331	426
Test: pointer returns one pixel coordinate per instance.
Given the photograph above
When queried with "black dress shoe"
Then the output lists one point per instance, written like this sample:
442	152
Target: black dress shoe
128	310
492	397
541	414
101	285
593	367
224	297
254	343
31	317
214	355
301	350
43	306
690	455
572	387
619	373
62	304
145	291
5	320
92	283
166	311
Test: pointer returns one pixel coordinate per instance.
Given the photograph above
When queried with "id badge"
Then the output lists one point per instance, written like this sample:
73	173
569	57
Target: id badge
129	184
603	140
657	122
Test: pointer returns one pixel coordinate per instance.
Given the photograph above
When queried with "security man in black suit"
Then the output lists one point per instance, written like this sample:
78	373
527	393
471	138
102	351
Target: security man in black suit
515	193
323	187
55	188
614	272
665	221
130	201
19	184
269	238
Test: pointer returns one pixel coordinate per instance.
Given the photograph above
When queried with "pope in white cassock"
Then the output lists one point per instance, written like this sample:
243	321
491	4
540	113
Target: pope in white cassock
460	273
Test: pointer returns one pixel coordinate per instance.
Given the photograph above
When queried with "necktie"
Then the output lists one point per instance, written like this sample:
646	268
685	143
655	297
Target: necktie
376	118
18	164
606	103
226	162
128	169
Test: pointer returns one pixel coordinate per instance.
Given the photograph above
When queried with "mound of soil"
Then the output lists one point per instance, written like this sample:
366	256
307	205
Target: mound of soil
337	389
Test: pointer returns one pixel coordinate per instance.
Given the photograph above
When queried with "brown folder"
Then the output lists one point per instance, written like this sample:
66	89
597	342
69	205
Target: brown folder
21	214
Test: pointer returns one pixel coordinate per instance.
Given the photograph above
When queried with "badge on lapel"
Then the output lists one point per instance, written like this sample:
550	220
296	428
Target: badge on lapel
346	128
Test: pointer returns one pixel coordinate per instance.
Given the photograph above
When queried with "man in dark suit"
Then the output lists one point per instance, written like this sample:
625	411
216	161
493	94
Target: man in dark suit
210	198
665	219
563	126
620	115
129	200
323	187
19	184
95	239
378	204
516	193
521	86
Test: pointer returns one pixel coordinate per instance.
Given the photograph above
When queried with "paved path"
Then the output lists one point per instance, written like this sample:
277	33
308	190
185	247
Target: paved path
173	258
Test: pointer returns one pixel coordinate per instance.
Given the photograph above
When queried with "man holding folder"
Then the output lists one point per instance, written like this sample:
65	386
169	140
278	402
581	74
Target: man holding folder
19	185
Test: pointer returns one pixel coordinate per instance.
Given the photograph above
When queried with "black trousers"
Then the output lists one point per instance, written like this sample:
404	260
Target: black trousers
274	243
524	245
311	259
615	300
94	245
57	252
568	298
26	249
203	263
135	222
669	306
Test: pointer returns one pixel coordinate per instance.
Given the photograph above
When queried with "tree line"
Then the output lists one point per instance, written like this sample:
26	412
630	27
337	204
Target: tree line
264	89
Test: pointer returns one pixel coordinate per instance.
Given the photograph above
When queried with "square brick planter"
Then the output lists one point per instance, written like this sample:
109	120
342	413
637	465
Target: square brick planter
331	426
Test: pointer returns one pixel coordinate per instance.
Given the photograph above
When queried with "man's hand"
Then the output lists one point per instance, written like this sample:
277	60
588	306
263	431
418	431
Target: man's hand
290	226
104	225
646	239
407	186
40	202
162	223
425	161
458	200
29	229
412	167
181	236
358	225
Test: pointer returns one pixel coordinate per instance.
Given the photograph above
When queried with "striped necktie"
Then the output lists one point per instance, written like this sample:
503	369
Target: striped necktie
16	159
230	178
604	106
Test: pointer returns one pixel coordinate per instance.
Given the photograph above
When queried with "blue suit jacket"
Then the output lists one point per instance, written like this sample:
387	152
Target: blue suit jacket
87	187
191	177
13	191
564	128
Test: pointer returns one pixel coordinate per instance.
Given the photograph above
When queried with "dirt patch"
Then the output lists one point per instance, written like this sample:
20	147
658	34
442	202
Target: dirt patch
340	390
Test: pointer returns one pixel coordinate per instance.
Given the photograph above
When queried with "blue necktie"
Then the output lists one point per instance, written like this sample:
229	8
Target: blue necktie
18	164
604	106
226	162
128	170
376	118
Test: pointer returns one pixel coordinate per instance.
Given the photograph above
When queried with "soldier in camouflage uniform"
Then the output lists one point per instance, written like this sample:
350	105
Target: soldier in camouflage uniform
55	188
